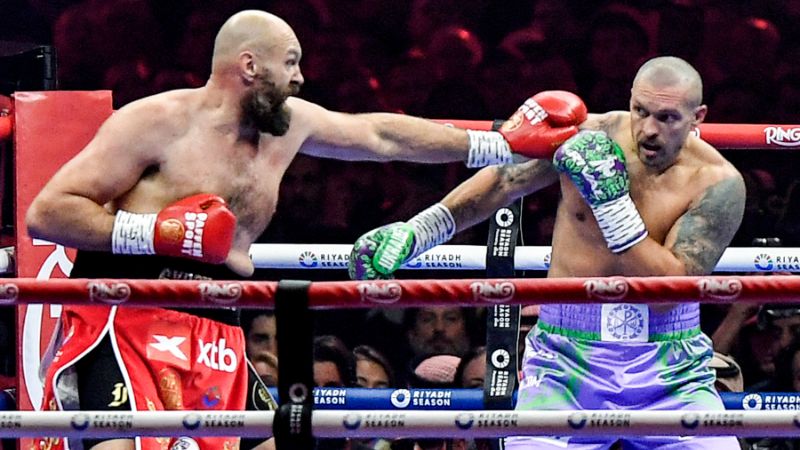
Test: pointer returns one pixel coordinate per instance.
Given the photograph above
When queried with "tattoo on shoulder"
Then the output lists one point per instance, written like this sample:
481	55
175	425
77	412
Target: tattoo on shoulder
705	231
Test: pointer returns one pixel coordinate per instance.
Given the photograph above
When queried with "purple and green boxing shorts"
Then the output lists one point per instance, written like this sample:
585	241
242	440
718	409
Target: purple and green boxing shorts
618	357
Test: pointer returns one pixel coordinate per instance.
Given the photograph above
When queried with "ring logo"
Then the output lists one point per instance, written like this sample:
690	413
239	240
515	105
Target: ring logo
113	293
298	393
606	289
385	294
401	398
500	358
9	293
465	421
308	259
504	217
782	137
577	420
720	288
79	422
752	402
690	421
500	292
192	421
415	263
352	421
220	293
763	262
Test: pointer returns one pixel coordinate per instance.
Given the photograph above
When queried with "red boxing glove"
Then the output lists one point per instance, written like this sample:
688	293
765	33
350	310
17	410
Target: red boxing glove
543	123
199	227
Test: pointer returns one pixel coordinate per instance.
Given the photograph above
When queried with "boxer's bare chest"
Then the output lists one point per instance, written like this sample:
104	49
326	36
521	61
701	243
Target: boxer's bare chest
246	173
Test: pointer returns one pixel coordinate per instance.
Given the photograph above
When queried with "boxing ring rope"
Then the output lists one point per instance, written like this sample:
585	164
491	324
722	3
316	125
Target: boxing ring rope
472	399
404	424
473	257
406	293
730	136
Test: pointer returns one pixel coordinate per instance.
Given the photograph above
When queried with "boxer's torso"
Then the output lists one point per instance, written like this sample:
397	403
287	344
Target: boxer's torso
579	249
201	153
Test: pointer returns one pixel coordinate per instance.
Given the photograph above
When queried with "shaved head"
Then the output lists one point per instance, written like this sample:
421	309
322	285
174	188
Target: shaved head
251	30
669	71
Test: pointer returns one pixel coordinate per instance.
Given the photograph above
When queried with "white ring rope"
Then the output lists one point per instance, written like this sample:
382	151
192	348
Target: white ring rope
398	424
473	257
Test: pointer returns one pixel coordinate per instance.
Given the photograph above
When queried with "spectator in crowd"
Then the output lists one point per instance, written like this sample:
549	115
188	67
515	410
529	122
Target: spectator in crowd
471	370
260	331
333	363
437	330
266	366
373	370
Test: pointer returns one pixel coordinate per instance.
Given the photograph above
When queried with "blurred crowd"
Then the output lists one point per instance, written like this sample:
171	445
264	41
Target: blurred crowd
461	59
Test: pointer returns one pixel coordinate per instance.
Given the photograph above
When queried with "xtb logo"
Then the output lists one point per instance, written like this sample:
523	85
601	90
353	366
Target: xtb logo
217	356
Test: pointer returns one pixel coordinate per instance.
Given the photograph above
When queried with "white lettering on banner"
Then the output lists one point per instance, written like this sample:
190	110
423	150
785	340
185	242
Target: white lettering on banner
788	263
193	236
492	292
219	421
723	420
499	384
606	289
609	420
384	294
782	137
502	243
222	293
441	398
330	397
217	356
502	316
720	289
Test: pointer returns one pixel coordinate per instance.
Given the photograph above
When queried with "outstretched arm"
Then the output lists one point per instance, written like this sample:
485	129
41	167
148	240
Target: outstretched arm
696	242
493	187
380	252
535	130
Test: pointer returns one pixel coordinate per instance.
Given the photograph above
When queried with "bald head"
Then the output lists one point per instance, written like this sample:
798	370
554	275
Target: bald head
251	30
669	71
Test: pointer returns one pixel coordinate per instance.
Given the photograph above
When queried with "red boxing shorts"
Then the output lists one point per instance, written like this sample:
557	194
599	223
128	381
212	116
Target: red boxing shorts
145	359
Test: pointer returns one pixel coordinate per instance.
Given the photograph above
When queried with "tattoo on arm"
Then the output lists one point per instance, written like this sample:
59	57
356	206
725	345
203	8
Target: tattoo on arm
494	187
705	231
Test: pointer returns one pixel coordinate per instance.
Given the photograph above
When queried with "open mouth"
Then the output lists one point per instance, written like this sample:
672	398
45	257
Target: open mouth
650	149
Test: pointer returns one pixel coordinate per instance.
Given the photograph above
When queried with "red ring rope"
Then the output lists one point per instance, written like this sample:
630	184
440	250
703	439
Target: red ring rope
721	135
403	293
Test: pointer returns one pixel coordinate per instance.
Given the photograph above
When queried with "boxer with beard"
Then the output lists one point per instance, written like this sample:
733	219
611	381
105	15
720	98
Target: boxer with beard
178	185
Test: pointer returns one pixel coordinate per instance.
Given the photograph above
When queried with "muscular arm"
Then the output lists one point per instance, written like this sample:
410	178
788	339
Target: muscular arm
69	210
697	240
377	136
474	200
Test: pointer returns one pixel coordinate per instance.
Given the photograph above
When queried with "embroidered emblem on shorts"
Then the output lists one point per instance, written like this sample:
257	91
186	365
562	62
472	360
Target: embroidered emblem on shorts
170	389
171	230
212	397
624	322
120	394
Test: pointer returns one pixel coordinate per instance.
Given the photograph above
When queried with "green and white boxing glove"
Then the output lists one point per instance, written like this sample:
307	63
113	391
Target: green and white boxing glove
596	164
380	252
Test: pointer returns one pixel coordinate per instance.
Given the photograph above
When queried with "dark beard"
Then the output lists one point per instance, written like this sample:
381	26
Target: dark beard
265	107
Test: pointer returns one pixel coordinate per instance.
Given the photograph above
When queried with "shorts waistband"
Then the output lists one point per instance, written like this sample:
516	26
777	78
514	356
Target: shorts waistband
621	321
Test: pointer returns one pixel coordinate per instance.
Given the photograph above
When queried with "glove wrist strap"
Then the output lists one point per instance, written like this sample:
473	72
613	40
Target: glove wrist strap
133	234
488	148
432	227
620	222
